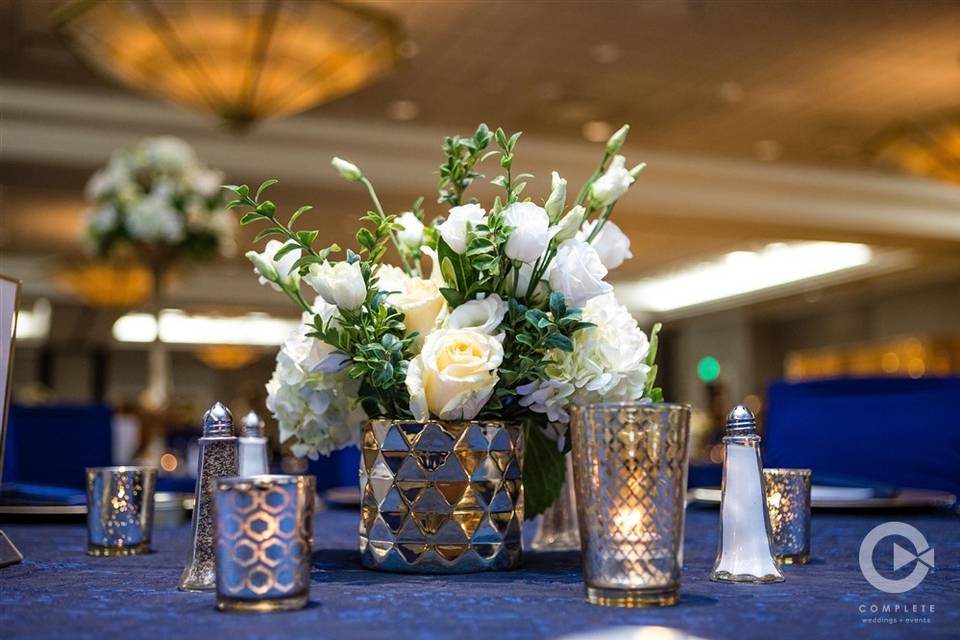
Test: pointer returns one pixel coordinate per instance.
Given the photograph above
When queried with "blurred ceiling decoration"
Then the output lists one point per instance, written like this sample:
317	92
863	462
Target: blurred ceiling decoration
219	356
928	148
115	285
244	61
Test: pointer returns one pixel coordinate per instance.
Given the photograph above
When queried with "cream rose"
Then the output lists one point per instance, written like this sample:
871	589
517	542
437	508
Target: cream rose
423	306
454	375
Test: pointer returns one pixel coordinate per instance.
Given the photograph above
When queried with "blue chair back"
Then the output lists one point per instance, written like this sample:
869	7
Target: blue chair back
52	445
888	430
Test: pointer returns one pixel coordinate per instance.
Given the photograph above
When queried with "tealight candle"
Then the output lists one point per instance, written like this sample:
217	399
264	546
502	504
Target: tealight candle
630	471
788	505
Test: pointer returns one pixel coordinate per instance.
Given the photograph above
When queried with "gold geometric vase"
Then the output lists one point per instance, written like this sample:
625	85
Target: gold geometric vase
441	497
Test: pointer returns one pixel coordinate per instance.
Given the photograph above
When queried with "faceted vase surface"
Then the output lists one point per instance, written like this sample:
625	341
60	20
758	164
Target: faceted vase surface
441	497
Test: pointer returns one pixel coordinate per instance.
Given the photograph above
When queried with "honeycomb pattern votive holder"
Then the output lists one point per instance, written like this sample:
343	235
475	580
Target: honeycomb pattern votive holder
264	542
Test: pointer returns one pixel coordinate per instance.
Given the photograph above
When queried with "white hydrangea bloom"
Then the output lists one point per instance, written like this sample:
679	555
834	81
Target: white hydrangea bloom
154	218
313	398
607	364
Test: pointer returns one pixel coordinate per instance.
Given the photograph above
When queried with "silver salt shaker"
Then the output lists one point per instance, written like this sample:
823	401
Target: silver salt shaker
218	459
746	548
253	447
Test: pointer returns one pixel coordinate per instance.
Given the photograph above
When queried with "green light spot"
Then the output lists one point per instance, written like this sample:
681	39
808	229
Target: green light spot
708	369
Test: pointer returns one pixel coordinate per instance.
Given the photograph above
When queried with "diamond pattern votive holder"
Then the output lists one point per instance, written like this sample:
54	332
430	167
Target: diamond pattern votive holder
264	542
441	497
788	505
630	470
120	510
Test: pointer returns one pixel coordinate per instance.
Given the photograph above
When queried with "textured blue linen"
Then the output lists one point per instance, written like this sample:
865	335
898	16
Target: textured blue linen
893	430
58	592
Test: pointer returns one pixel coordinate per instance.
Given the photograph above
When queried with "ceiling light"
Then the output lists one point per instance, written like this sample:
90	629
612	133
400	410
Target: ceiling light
742	272
929	148
731	92
597	130
243	61
403	110
767	150
34	324
605	52
178	327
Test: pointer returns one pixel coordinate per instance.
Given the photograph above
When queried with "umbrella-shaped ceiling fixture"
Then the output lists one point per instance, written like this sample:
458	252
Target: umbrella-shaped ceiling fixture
242	60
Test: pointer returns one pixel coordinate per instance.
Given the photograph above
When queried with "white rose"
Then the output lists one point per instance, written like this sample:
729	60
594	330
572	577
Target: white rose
273	272
578	273
558	196
391	279
612	184
339	283
454	375
531	231
423	307
454	229
411	235
612	244
484	315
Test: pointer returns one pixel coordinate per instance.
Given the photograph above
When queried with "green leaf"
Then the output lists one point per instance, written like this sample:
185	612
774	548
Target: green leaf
365	239
264	185
307	237
253	216
267	208
269	231
285	249
453	297
296	214
543	470
654	343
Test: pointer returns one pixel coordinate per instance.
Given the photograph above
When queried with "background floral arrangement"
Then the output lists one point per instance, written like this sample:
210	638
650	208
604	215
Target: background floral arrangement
513	320
158	196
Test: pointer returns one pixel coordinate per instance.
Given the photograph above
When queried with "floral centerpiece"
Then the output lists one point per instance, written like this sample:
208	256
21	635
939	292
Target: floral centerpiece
495	313
156	196
153	205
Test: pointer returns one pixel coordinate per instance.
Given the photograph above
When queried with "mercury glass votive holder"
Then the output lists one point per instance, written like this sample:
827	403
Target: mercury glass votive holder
630	470
788	505
264	542
120	510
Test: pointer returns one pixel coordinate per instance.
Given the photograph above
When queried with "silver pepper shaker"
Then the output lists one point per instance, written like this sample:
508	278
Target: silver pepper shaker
218	459
253	447
746	547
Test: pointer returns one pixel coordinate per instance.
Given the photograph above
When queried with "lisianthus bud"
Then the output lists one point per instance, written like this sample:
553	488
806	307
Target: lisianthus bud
558	197
637	169
570	224
617	139
346	169
611	185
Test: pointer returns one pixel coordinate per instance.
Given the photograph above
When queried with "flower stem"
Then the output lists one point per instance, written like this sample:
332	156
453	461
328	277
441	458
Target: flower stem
602	220
393	236
596	174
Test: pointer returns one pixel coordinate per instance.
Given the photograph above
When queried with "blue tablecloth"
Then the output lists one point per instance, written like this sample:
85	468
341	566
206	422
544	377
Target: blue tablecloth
58	592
